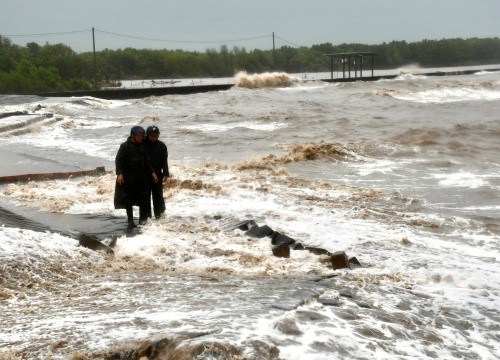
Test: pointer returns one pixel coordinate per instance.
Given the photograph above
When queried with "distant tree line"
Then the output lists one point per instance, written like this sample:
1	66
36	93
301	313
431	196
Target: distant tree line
36	68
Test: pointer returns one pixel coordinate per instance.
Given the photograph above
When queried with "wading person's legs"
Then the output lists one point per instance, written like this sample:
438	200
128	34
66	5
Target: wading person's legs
130	216
158	201
147	204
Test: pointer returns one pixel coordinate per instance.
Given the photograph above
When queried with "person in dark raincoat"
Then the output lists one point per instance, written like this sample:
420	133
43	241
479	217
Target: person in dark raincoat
133	170
158	154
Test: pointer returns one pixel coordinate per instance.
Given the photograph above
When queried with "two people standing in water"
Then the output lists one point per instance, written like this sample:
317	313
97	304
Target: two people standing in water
141	165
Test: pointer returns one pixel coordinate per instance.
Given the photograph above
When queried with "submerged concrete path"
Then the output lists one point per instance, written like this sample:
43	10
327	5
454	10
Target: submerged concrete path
17	164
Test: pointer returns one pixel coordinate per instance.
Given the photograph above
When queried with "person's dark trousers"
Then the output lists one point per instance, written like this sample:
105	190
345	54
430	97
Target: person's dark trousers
156	192
142	213
138	196
130	215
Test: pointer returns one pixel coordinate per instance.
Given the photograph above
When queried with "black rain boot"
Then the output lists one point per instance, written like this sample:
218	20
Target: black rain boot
143	214
130	218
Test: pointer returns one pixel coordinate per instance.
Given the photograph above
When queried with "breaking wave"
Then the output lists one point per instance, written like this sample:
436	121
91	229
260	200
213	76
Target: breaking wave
94	103
325	151
485	91
265	80
185	346
322	150
39	260
445	136
408	76
414	68
215	128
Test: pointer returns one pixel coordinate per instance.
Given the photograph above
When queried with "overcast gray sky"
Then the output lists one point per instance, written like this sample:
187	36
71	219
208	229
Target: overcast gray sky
196	23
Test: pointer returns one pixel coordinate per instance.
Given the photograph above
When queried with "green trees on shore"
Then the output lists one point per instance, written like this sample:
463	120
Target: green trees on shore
34	68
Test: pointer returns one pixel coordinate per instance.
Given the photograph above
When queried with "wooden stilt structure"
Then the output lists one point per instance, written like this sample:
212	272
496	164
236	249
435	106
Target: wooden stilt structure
354	58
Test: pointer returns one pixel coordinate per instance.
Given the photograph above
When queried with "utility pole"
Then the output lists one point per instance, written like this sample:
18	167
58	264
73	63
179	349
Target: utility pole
274	54
95	62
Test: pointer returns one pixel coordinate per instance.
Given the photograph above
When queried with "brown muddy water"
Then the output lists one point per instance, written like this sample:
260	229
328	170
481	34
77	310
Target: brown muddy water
402	174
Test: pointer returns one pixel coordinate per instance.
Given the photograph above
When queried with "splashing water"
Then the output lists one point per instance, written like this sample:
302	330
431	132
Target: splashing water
265	80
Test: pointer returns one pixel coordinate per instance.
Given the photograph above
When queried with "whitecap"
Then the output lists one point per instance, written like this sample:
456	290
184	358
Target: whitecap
462	179
214	128
447	95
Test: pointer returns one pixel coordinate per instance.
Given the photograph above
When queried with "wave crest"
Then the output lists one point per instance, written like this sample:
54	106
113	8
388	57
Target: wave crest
265	80
316	151
441	93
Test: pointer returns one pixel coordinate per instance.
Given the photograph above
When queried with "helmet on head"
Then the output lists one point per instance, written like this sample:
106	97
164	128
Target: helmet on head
137	130
153	130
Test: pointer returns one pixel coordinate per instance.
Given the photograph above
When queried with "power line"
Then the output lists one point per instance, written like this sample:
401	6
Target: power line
153	39
291	43
181	41
138	37
298	46
48	34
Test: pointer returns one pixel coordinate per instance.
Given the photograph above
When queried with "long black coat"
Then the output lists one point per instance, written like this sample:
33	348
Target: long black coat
132	161
158	154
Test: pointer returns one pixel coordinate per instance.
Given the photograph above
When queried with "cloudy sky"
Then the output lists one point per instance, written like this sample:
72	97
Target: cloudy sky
202	24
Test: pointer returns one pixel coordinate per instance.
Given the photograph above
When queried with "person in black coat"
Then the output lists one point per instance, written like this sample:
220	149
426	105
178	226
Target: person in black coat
133	170
158	154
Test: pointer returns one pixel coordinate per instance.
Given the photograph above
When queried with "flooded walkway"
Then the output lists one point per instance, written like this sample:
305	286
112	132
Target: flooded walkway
116	309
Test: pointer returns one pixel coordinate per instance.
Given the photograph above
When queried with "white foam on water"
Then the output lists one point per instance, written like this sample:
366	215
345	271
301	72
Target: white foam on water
382	166
94	103
482	72
20	245
497	207
74	196
447	95
306	87
190	240
264	80
195	210
11	120
463	179
408	76
98	124
14	108
57	138
113	104
214	128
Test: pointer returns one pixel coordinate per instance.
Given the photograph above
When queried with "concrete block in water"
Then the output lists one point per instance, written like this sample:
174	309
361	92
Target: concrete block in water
93	243
339	260
260	232
281	250
245	225
297	246
317	251
354	262
278	239
111	242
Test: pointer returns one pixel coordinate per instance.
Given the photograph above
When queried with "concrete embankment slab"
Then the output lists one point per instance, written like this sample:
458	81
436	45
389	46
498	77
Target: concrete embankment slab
17	164
118	94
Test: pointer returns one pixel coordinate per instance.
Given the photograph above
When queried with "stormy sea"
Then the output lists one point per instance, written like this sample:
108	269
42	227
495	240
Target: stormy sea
403	175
